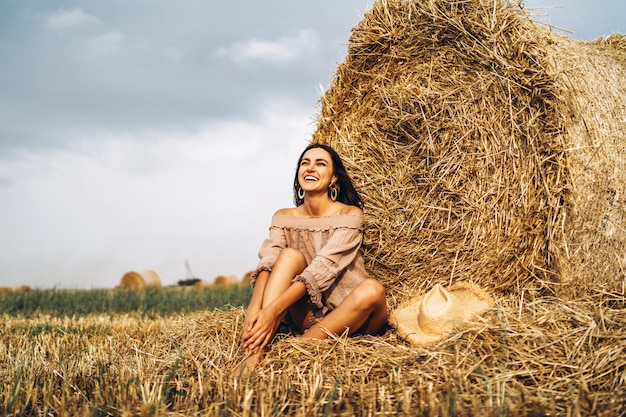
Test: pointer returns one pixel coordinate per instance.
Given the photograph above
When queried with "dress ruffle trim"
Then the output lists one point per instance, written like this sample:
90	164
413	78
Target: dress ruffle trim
318	224
314	293
255	274
312	289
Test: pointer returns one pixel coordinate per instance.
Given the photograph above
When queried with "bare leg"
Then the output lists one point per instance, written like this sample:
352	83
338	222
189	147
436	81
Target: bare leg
289	264
301	313
364	310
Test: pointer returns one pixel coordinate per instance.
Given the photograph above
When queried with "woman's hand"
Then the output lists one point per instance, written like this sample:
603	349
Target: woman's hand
246	324
259	328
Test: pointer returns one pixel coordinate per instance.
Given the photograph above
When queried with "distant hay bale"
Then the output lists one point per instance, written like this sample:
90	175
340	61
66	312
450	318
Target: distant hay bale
10	290
140	280
485	147
225	281
201	284
23	288
247	279
221	281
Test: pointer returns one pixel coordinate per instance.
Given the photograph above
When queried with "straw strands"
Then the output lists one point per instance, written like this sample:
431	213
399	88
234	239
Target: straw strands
486	148
542	358
548	358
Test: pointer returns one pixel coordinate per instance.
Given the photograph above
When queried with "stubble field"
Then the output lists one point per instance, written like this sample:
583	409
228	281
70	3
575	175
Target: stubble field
169	352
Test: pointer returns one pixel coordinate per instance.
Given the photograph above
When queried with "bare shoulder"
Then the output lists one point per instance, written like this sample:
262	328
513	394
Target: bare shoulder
352	210
291	211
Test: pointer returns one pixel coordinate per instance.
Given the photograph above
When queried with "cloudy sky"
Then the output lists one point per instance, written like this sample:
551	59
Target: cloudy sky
138	135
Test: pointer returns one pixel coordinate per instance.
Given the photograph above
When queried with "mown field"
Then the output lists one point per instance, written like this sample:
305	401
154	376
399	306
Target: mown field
80	352
169	352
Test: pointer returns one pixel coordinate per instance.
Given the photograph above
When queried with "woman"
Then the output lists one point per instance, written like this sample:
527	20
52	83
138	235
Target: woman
311	267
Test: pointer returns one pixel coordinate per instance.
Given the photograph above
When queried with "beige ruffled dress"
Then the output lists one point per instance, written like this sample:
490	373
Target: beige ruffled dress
332	248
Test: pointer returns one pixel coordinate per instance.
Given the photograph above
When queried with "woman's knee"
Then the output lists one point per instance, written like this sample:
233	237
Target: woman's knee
292	258
371	292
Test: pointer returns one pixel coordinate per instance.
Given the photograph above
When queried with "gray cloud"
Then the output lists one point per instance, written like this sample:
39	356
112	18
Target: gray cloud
70	18
281	51
124	66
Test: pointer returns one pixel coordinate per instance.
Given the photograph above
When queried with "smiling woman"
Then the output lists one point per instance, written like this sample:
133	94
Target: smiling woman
311	274
319	161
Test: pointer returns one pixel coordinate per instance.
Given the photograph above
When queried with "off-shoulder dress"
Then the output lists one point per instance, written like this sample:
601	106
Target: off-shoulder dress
331	246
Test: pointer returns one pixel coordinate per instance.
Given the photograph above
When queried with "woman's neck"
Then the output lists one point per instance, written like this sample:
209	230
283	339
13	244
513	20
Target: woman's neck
317	205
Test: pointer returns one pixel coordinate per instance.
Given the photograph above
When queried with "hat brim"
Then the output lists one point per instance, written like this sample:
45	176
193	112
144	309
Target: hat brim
475	302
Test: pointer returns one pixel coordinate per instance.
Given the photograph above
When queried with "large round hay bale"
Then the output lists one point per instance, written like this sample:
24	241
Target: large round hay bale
133	280
486	148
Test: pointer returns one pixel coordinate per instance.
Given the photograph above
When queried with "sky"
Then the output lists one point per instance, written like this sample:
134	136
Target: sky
147	134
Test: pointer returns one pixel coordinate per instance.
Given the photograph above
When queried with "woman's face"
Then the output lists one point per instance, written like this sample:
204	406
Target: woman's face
316	172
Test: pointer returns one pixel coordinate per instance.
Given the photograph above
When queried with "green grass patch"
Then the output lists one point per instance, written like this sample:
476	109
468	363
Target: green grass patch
151	301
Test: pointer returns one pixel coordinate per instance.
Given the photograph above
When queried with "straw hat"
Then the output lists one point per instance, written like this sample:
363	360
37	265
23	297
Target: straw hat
426	319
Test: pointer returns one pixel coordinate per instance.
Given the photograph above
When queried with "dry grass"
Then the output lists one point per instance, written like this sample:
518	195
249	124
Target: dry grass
527	357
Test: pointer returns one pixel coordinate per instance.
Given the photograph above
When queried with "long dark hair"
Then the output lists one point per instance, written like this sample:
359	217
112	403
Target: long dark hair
347	193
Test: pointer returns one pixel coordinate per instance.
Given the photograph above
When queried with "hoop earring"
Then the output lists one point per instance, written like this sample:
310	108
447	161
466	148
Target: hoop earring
300	193
334	191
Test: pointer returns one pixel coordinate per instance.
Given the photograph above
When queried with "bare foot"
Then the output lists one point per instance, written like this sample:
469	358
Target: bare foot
246	365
